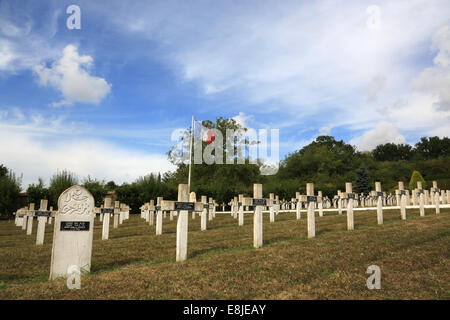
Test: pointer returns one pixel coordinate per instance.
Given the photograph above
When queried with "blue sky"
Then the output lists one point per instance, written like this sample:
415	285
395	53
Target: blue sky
105	99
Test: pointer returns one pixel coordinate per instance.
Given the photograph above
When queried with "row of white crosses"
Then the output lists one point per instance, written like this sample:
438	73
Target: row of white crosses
25	216
205	209
120	211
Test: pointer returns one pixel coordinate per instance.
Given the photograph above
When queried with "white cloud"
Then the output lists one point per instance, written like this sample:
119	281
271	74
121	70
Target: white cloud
374	88
384	132
70	75
6	54
38	146
435	80
243	119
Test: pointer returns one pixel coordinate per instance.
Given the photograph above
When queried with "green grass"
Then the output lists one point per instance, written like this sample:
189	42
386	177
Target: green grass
222	264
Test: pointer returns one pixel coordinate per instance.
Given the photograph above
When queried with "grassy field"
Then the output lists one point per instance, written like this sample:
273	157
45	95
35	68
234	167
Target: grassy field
414	257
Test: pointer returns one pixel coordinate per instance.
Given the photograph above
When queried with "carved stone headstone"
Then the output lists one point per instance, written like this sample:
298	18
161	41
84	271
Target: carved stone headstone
73	232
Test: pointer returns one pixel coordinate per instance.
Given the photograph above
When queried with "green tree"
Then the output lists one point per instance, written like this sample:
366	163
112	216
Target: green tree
110	186
433	147
59	182
416	176
37	192
9	192
220	181
97	189
362	183
392	152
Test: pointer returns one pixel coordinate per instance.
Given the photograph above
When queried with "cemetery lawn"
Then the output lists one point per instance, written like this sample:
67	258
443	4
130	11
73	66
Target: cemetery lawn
414	257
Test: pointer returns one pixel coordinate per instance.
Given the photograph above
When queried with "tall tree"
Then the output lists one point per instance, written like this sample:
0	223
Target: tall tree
362	183
9	191
97	189
37	192
59	182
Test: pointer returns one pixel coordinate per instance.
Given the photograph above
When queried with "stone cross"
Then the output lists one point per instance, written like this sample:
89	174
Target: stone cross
339	201
193	198
401	194
116	214
235	207
320	203
159	217
107	210
30	219
212	209
436	196
51	216
72	236
241	210
299	205
204	213
151	209
182	222
271	207
122	213
379	196
42	215
421	199
311	200
277	205
350	197
258	203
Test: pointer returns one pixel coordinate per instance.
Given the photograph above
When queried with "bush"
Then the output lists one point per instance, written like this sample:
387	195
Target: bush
416	176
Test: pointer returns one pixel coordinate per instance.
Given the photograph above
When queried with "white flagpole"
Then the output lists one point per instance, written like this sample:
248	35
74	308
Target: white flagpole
190	154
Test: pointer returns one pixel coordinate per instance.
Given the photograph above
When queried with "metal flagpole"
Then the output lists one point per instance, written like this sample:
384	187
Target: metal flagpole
190	154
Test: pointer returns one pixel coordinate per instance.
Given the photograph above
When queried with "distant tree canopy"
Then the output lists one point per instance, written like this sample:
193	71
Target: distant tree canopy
425	149
37	192
326	162
392	152
432	148
9	191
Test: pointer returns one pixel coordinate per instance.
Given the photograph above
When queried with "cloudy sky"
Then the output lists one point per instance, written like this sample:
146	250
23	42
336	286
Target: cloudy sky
104	100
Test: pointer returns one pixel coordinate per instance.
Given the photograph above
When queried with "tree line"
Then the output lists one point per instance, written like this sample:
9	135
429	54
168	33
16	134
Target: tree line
326	162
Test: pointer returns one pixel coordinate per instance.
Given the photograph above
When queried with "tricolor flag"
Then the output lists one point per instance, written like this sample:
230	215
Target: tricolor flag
203	133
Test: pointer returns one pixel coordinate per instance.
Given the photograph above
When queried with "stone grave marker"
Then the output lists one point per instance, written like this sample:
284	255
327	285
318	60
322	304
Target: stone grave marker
42	214
258	204
159	216
241	210
204	213
183	206
30	219
107	210
401	194
436	196
349	196
73	232
379	196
